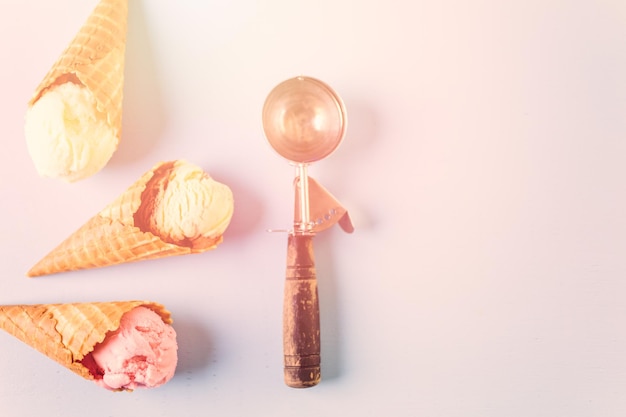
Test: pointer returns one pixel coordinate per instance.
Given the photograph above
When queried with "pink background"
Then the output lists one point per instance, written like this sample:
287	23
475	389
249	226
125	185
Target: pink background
484	166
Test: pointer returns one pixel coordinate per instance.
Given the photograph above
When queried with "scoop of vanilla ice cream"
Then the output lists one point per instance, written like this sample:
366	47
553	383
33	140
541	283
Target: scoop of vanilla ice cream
193	205
141	353
66	135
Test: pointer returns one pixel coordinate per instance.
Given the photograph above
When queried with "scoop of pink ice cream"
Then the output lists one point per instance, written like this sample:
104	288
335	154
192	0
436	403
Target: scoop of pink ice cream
142	352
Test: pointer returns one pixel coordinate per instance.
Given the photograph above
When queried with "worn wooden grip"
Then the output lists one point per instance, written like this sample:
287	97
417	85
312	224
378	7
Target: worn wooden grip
301	319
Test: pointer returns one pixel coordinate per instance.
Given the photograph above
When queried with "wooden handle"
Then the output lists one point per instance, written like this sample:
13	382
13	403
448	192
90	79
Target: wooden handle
301	320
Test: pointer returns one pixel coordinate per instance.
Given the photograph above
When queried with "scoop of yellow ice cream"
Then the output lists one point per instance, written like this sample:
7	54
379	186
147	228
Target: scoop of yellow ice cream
193	205
178	202
67	136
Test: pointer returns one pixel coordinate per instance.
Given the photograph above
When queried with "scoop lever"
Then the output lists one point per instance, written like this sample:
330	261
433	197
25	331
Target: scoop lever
325	211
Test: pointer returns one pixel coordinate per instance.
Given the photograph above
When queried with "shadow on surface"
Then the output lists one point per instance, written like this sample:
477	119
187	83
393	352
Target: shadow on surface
329	299
248	209
195	347
144	115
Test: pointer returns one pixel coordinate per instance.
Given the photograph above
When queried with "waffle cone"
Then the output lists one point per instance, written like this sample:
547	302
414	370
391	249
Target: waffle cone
120	233
68	332
95	59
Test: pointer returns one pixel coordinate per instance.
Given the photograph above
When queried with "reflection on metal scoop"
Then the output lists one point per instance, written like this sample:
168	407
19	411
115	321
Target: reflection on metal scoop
304	120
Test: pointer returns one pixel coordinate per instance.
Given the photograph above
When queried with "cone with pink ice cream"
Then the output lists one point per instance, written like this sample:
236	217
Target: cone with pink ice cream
74	118
121	345
173	209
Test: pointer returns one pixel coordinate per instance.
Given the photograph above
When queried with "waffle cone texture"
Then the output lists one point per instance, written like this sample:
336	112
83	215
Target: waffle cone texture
122	232
95	60
66	333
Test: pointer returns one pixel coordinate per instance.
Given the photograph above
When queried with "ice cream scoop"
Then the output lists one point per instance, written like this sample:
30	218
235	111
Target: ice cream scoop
175	208
74	118
86	338
304	120
141	353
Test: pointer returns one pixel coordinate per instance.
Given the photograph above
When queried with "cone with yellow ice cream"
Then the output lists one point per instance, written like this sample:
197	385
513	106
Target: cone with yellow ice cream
174	209
74	118
72	334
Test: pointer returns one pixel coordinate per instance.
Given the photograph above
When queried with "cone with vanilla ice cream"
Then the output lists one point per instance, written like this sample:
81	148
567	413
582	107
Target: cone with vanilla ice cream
74	119
173	209
120	345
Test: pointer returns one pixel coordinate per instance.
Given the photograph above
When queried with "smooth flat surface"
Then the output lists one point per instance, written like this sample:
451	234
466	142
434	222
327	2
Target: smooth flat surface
484	165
